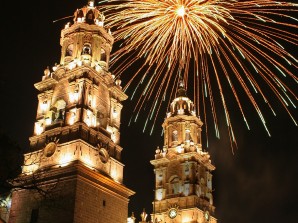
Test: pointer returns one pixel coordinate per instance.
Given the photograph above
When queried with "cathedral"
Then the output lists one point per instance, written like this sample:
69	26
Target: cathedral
74	173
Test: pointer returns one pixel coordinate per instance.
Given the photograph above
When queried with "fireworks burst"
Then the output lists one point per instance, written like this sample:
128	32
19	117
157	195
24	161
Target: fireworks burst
211	44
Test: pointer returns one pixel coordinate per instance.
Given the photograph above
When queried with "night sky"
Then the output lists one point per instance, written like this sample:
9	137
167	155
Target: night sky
258	183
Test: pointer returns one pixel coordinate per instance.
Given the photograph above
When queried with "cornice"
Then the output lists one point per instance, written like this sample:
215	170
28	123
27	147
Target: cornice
45	84
182	118
83	27
74	170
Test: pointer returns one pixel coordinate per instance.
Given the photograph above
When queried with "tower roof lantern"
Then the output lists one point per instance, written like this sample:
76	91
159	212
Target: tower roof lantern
181	105
89	14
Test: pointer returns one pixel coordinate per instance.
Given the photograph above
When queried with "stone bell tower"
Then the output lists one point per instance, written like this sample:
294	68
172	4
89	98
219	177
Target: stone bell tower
73	172
183	179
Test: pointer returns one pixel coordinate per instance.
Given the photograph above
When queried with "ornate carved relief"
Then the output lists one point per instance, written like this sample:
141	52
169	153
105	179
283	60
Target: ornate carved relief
87	38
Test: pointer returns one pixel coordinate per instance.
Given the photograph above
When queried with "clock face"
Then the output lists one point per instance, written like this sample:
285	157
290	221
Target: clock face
50	149
103	155
172	213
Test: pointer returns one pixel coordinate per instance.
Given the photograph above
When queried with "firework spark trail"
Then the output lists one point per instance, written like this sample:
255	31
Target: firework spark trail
212	43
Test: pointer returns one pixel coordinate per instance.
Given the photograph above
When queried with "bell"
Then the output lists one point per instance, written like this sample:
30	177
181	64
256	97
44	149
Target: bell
60	116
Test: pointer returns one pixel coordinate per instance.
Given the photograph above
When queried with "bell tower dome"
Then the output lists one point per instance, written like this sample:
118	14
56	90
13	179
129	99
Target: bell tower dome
74	164
86	41
183	179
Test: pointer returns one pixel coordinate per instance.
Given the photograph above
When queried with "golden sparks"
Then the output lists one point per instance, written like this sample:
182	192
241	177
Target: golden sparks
227	49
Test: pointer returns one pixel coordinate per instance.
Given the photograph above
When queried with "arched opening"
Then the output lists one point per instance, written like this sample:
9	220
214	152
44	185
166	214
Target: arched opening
187	135
174	185
80	15
177	107
175	136
90	17
69	50
185	106
86	49
103	55
60	110
203	186
172	109
90	98
192	107
199	138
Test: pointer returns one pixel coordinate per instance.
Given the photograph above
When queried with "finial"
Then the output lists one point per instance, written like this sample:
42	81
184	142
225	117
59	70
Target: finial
91	3
181	89
144	215
132	215
131	219
47	72
181	82
157	151
118	82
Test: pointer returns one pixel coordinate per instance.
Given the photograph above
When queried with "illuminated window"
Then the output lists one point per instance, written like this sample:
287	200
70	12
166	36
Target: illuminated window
50	117
44	106
39	128
175	136
73	116
74	96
